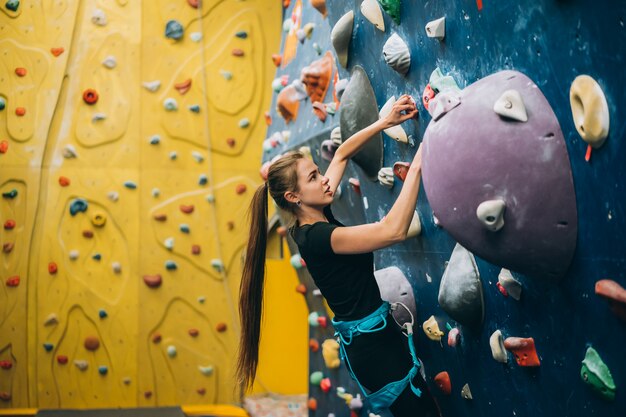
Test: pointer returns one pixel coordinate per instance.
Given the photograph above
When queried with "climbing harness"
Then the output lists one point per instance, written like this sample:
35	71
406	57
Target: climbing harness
376	321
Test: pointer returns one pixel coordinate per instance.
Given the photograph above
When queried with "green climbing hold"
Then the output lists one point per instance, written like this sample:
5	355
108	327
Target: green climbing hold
78	204
439	82
12	5
316	378
597	375
392	8
10	194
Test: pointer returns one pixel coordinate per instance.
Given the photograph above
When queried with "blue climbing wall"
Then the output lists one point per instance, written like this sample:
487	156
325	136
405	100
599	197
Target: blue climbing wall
551	42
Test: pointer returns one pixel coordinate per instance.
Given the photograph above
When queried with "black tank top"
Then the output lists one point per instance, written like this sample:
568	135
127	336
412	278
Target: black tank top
346	281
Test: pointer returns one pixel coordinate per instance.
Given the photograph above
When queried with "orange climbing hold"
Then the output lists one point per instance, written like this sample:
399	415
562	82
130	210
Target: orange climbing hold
153	281
4	146
301	288
62	359
320	5
9	224
64	181
588	153
92	343
231	142
287	103
312	404
52	268
221	327
160	217
276	58
20	111
187	208
20	72
195	249
268	118
316	77
156	338
237	52
90	96
57	51
184	86
442	379
325	384
241	188
193	332
523	349
615	294
314	345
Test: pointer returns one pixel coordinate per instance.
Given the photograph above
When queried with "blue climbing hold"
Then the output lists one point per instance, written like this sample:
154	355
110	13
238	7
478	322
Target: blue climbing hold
13	5
102	313
130	184
48	347
3	103
103	370
242	34
78	204
203	179
173	29
155	140
10	194
184	228
96	256
195	108
170	265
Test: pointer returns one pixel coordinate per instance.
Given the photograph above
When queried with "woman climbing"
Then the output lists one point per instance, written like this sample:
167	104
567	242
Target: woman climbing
377	354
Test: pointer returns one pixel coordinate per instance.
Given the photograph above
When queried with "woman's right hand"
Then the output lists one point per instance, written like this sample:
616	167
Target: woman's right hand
403	109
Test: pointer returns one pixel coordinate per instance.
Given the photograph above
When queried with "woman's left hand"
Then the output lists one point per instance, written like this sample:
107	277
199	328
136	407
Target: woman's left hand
403	109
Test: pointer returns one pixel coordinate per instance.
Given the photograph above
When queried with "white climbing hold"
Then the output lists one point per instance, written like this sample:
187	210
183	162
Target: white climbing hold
335	136
590	110
173	155
415	228
151	86
69	151
511	105
52	319
113	196
99	18
201	299
217	264
156	192
436	28
496	343
385	177
491	214
197	156
195	36
171	351
396	54
170	104
512	286
226	74
109	62
372	12
81	364
341	35
116	266
396	132
74	254
98	116
169	243
206	370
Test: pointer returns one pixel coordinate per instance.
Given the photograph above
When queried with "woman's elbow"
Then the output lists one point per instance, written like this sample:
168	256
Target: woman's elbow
393	233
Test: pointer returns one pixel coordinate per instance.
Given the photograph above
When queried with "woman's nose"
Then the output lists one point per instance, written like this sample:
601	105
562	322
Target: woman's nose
324	180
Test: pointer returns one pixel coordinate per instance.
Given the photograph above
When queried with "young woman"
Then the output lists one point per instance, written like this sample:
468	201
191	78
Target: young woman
378	355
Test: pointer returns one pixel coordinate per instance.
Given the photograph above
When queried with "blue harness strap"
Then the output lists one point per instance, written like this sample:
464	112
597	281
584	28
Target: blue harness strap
376	321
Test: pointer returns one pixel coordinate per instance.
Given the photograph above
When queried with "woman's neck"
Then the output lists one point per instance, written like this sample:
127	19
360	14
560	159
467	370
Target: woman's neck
309	215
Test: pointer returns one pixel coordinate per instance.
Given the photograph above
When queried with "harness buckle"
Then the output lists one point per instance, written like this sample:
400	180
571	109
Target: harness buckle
408	326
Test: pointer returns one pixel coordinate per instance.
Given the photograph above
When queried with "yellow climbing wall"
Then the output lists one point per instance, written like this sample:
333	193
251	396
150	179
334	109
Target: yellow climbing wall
129	213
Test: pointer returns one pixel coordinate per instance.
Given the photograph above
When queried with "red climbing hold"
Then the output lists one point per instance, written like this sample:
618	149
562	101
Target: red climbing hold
277	59
314	345
187	209
201	391
502	290
20	72
64	181
400	170
231	142
588	153
323	321
5	396
615	294
193	332
427	95
4	146
153	281
193	3
20	111
13	281
325	384
156	338
90	96
195	249
442	379
92	343
52	268
9	224
160	217
62	359
6	364
7	247
87	234
147	394
57	51
241	188
237	52
221	327
523	349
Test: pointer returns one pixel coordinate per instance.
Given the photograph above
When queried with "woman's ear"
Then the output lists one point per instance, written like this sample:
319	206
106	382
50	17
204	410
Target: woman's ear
291	197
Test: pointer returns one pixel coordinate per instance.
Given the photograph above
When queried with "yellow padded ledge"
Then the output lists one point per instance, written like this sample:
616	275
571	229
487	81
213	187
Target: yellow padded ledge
214	410
19	412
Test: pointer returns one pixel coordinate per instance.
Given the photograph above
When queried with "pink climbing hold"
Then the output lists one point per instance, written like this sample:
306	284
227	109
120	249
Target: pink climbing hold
615	294
427	95
356	185
323	321
6	364
453	337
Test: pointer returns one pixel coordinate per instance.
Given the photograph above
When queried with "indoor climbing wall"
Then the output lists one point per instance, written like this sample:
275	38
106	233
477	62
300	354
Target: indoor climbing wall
128	140
517	256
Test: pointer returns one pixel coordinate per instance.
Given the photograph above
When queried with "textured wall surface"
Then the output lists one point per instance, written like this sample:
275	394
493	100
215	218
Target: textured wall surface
551	43
82	328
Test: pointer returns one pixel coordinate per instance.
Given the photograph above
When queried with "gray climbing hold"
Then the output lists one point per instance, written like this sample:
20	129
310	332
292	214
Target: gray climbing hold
466	393
341	36
155	140
174	29
415	227
491	214
461	291
397	54
395	287
512	286
436	28
511	105
359	110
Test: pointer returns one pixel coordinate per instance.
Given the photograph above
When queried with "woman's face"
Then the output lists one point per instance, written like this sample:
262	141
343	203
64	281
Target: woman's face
313	187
